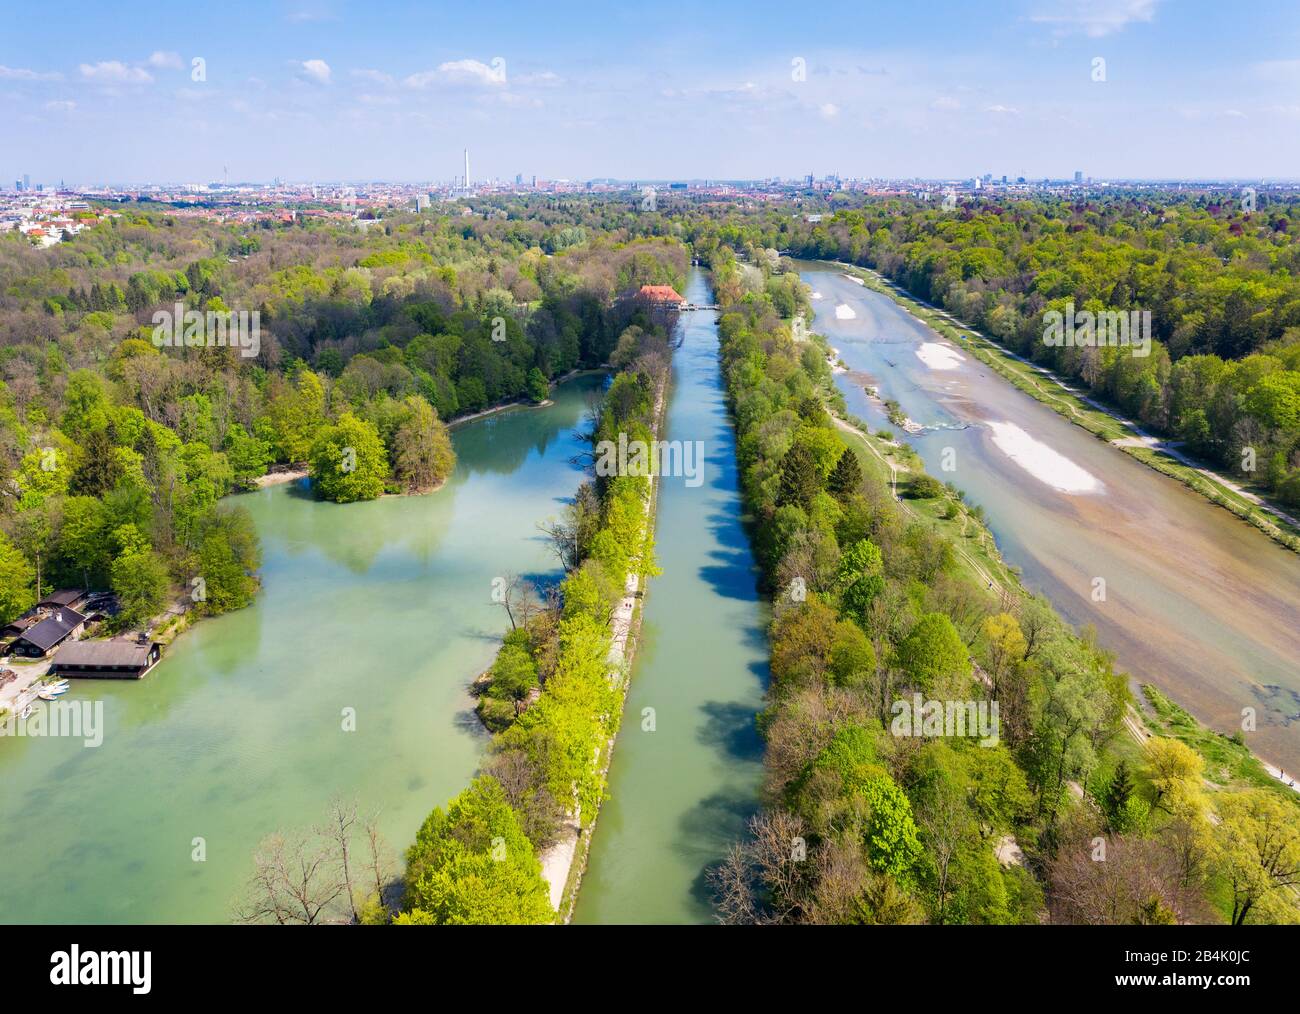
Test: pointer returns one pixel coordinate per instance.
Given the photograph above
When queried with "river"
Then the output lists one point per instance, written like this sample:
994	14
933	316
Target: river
382	607
679	795
1195	600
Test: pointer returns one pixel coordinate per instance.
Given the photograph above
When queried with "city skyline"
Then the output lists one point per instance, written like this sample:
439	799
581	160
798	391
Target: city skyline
1124	89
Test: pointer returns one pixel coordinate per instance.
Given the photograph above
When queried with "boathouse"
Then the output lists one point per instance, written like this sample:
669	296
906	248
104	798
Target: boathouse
114	660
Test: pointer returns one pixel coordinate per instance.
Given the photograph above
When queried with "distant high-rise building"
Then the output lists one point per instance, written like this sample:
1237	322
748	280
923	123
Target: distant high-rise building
466	168
1078	176
18	185
27	182
519	179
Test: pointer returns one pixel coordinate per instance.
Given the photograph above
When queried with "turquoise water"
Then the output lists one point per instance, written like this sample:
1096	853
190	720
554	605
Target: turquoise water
680	795
381	607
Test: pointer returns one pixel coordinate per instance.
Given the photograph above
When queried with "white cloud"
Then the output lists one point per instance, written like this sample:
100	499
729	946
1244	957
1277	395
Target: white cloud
317	70
115	72
1002	110
61	106
1095	18
461	72
165	60
23	74
945	103
377	76
828	110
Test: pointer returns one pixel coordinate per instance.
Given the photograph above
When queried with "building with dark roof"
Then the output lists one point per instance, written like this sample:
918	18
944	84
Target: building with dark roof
42	637
64	598
122	660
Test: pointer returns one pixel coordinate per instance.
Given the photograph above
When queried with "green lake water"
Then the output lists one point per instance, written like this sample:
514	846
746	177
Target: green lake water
383	607
680	795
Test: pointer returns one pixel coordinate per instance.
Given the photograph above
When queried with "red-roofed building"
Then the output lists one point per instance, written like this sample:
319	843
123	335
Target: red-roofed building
660	297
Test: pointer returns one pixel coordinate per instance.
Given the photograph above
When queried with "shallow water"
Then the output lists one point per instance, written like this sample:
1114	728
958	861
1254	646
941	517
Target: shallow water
1196	601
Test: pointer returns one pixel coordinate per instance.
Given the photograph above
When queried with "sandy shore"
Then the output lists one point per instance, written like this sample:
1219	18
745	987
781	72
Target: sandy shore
939	357
278	478
1041	461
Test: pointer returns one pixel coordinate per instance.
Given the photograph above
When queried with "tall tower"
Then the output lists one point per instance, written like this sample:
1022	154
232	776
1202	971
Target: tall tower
466	168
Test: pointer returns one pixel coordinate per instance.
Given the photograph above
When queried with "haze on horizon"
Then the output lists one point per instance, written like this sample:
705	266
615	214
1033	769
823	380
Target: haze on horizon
336	90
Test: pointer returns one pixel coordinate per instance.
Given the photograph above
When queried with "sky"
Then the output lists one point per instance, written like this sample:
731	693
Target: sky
340	90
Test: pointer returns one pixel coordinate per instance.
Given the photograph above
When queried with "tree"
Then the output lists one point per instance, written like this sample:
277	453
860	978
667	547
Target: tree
312	877
248	455
933	655
853	659
229	552
473	864
538	388
140	581
16	581
422	452
1174	770
846	477
348	461
297	413
1258	854
799	479
98	469
861	577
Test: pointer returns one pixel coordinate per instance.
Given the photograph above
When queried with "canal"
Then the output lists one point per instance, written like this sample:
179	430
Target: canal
687	768
1190	598
381	607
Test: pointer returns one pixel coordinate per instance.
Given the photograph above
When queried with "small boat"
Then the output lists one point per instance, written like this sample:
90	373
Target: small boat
27	712
45	695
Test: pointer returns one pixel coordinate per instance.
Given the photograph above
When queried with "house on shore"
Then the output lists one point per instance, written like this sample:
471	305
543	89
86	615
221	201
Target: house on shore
660	297
65	598
113	660
43	636
75	599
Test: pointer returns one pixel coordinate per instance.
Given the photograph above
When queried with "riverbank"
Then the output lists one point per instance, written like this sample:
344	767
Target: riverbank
565	863
1084	411
1232	762
523	403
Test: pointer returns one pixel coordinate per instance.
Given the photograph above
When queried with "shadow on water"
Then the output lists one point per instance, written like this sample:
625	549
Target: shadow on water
730	727
708	830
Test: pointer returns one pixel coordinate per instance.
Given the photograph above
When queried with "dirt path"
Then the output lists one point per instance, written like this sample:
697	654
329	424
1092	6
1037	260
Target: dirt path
911	512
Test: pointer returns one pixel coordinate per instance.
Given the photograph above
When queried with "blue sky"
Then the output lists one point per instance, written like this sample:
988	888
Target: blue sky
345	90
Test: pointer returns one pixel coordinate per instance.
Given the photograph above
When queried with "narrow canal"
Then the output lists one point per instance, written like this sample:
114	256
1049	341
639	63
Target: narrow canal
1194	600
382	607
682	787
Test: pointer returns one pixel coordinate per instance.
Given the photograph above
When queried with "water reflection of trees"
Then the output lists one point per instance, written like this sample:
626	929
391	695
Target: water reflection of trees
501	444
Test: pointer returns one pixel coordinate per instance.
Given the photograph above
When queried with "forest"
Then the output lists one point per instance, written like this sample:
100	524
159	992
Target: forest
116	450
1062	818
